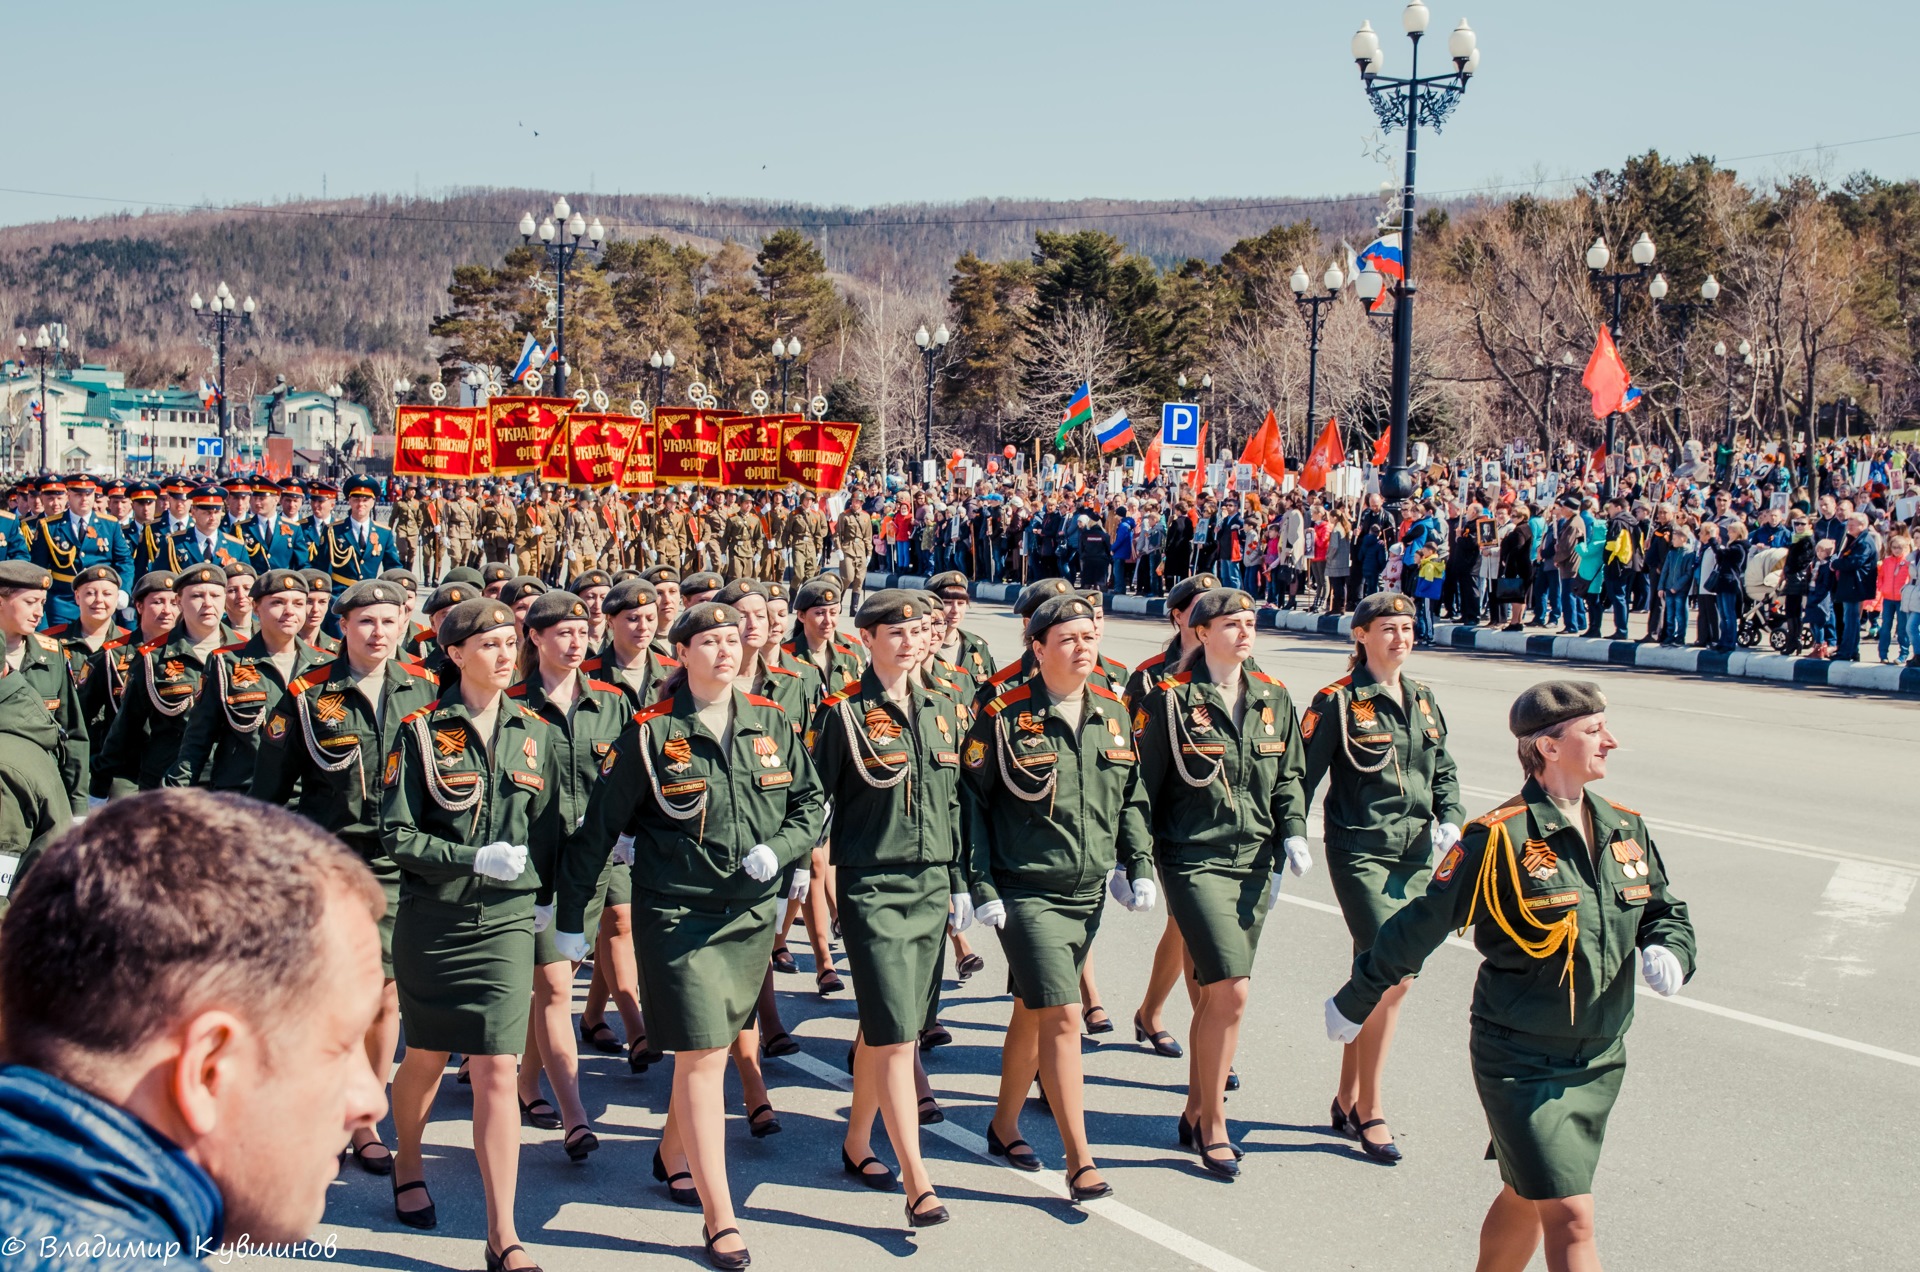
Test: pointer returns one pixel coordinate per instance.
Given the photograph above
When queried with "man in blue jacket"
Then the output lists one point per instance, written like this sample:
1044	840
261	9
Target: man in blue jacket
184	1033
1856	563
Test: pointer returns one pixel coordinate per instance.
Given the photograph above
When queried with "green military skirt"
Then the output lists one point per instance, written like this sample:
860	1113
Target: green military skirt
387	874
465	974
1547	1102
1220	908
894	924
616	887
545	951
1046	940
1371	887
701	967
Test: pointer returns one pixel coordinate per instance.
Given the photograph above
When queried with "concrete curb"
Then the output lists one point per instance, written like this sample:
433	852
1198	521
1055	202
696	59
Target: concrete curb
1740	664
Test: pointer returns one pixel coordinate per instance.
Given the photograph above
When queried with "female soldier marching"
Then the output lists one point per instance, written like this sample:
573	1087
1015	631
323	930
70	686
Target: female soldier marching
1221	763
719	798
1565	893
1393	802
888	753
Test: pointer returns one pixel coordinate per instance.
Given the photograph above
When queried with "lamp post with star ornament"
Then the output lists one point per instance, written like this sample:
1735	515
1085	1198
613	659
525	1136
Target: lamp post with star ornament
48	344
221	313
1410	102
1311	309
563	236
1609	286
785	354
1682	313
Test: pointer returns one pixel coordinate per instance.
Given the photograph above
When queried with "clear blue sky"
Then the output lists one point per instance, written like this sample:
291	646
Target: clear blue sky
862	102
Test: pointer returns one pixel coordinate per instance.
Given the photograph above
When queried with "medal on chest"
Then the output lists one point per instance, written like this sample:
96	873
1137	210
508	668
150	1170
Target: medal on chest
1632	858
1202	718
679	753
940	722
1539	860
769	751
531	749
1364	714
1266	718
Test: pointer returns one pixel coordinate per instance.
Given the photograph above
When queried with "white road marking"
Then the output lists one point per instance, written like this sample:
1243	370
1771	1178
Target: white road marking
1681	1000
1054	1183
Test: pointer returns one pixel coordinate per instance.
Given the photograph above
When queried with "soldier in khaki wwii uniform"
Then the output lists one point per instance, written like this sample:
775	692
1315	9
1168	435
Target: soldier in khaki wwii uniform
580	537
499	523
853	535
1566	894
472	813
1221	762
719	798
408	521
222	741
740	541
164	680
536	524
671	534
460	521
41	662
1393	803
326	740
1050	805
888	754
804	535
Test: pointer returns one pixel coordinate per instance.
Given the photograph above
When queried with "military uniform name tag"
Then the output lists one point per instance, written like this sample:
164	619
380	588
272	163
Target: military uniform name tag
532	781
1121	755
1203	748
775	779
691	786
1042	760
948	758
1270	748
1550	901
1636	894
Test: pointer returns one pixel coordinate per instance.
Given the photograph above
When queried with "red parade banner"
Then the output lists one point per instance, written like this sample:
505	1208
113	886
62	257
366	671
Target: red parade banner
687	445
591	454
750	452
617	433
816	454
521	432
639	473
434	441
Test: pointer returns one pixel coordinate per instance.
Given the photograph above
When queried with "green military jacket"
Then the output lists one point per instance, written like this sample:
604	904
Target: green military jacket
844	661
642	684
321	740
1523	873
975	659
33	797
816	684
790	687
1219	791
101	680
221	746
162	683
1045	808
696	810
1146	677
44	665
75	646
1391	771
580	738
892	771
446	792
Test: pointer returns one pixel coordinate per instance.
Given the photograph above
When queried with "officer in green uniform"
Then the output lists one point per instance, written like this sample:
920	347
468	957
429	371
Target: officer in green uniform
102	678
39	660
432	655
1050	803
221	746
1180	599
470	812
888	753
794	689
630	658
164	680
1014	674
1565	893
816	604
97	592
1221	762
962	648
720	798
319	607
584	717
34	804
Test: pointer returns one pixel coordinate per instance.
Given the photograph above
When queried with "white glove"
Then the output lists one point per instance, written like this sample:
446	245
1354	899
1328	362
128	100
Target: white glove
572	555
500	860
1299	860
993	914
760	864
1145	893
962	917
542	917
572	945
1662	970
95	801
1273	889
801	878
1121	889
1445	836
623	850
1339	1028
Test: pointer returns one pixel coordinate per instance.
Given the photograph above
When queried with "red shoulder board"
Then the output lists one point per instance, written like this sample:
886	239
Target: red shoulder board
1623	808
758	701
1177	678
666	661
1007	699
1264	678
604	686
526	712
118	641
1150	663
834	700
1339	684
153	645
517	691
408	718
58	629
1104	692
415	669
234	648
782	671
659	708
592	664
1005	674
306	682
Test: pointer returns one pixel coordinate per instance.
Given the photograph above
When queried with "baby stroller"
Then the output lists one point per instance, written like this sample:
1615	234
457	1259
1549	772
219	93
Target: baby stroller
1766	613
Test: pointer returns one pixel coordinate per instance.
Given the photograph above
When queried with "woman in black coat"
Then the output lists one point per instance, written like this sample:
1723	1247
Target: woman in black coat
1179	544
1516	562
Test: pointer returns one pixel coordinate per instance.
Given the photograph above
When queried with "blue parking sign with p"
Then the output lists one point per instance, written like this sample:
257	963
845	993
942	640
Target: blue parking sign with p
1179	424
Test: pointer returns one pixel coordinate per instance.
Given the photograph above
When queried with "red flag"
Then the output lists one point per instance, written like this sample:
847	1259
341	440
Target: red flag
1153	459
1606	376
1264	450
1597	463
1381	446
1328	454
1198	477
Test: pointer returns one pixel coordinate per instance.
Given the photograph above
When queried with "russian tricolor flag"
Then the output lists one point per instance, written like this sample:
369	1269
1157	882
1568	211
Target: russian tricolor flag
531	356
1383	256
1114	432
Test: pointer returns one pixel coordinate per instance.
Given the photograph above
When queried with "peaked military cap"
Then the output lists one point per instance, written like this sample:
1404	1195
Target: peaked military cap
207	497
362	486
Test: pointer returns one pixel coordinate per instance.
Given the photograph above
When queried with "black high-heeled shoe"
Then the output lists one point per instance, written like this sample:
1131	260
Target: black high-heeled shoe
600	1036
579	1142
1092	1192
424	1218
884	1181
1188	1135
1162	1042
1388	1152
928	1218
761	1129
1233	1079
640	1056
498	1262
678	1196
547	1121
1026	1161
1341	1121
725	1260
1104	1025
930	1111
1227	1167
968	965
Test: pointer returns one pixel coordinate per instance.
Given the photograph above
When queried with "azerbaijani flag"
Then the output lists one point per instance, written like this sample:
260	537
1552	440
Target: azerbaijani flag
1079	411
1114	432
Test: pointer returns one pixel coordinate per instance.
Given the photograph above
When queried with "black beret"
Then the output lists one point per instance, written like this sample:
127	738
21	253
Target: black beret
1382	605
495	572
949	584
1217	603
1181	594
702	581
153	581
447	595
318	580
274	582
629	594
554	607
817	591
890	605
700	618
738	590
197	575
405	578
1028	602
662	574
463	574
471	618
97	574
1054	611
521	586
24	574
1554	702
590	578
370	592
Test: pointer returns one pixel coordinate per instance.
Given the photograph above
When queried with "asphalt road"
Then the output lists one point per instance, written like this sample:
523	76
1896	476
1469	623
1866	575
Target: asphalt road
1768	1121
